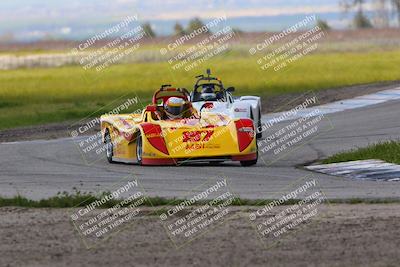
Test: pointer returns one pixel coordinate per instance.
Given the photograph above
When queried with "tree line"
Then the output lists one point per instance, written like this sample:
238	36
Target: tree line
383	12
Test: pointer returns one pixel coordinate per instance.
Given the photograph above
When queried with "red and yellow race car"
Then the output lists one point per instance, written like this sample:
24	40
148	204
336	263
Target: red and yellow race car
154	138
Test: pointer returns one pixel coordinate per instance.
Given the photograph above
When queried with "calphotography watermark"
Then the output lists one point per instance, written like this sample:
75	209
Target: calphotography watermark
110	46
91	141
98	219
192	50
280	50
294	208
288	130
208	206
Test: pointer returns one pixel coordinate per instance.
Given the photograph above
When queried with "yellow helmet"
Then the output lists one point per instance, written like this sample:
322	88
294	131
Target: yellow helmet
174	107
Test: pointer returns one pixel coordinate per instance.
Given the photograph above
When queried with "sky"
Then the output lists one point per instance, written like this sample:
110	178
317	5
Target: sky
35	19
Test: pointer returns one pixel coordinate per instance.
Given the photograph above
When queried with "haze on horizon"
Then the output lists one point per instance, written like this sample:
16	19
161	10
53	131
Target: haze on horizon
36	19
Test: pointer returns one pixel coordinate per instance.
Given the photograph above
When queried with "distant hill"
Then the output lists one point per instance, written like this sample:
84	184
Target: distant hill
81	29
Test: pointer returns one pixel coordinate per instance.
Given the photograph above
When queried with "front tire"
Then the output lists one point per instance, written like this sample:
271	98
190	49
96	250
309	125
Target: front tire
256	125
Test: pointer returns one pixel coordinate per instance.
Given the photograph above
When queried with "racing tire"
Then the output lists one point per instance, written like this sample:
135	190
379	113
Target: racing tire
215	163
256	126
247	163
139	149
259	126
109	146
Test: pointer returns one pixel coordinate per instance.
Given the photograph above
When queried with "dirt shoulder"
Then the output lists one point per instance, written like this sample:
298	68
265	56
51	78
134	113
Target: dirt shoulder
346	235
270	104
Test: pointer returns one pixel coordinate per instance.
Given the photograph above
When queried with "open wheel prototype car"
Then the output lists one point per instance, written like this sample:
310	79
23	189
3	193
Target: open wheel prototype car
151	138
211	89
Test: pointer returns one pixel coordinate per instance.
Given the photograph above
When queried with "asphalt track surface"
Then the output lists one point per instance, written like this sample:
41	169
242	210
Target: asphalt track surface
39	169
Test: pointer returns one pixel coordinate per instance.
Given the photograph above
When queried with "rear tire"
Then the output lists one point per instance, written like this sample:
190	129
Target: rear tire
139	149
215	163
109	146
247	163
259	126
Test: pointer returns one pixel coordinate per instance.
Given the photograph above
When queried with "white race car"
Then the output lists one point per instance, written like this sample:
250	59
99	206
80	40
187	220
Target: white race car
211	89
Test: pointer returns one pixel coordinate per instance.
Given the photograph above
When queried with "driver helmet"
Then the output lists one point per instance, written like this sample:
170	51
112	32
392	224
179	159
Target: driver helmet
208	93
174	107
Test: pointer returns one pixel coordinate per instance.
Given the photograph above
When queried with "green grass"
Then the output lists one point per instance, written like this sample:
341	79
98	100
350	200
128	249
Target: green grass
45	95
66	200
388	151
